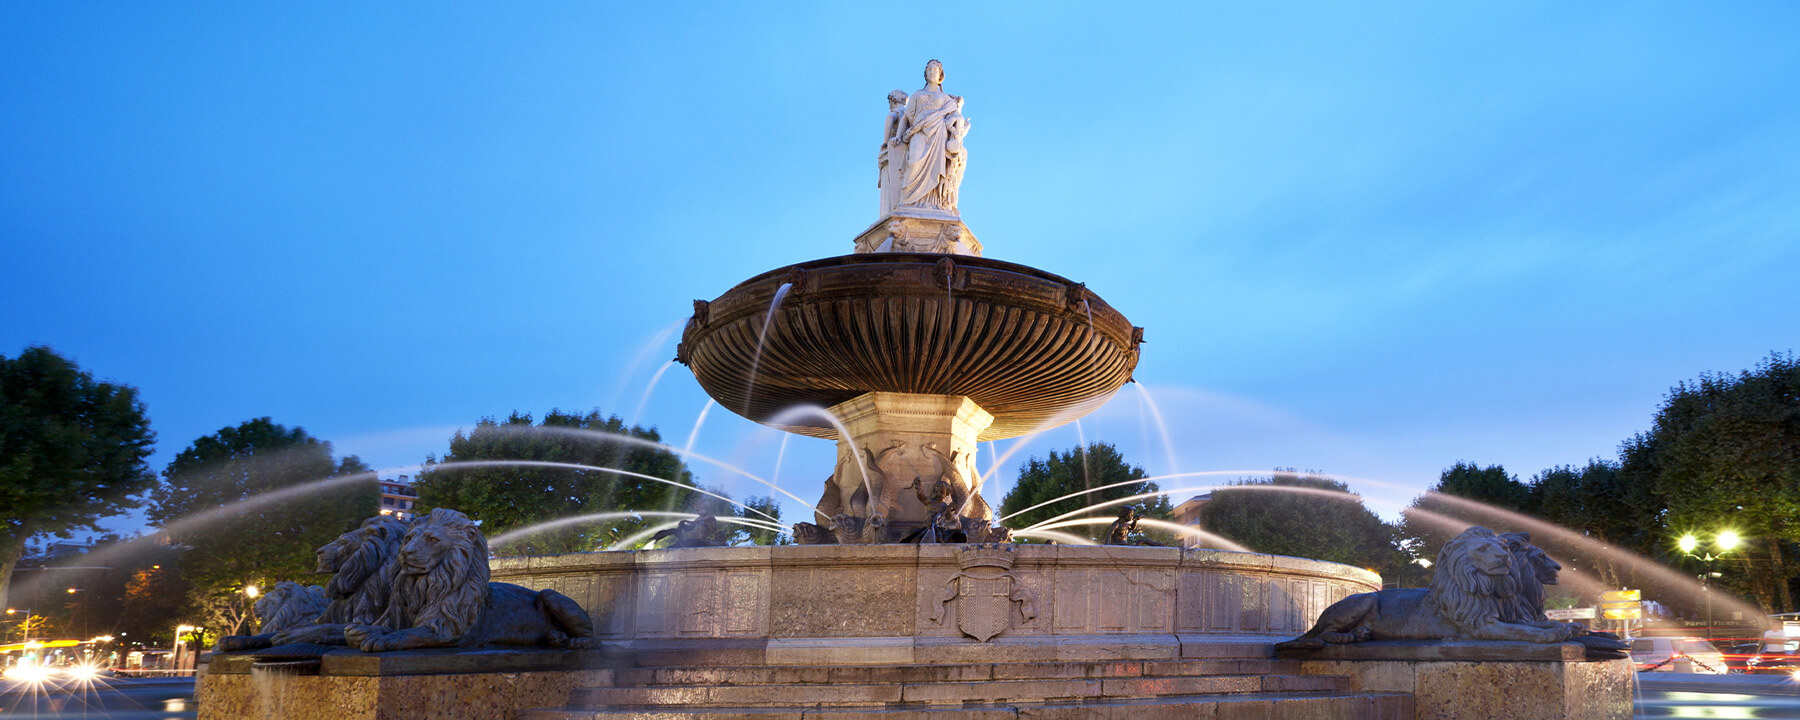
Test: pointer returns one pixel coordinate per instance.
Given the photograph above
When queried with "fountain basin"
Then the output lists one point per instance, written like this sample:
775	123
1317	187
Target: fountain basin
1031	348
907	604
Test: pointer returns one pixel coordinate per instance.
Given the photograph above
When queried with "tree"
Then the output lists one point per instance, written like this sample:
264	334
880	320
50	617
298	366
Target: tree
1076	470
489	475
156	598
299	498
1598	502
72	450
1319	518
1723	452
1433	520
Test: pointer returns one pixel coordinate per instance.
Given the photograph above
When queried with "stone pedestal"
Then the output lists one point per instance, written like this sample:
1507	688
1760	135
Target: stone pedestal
1478	680
405	685
919	231
911	436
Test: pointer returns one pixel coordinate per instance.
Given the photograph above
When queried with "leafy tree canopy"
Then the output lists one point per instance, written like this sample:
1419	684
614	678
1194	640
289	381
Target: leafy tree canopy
72	450
1724	454
496	474
1304	515
1076	470
299	498
1433	519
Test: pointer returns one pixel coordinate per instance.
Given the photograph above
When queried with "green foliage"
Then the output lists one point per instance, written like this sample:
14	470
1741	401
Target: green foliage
1076	470
508	497
263	541
1599	503
1319	518
72	450
1433	520
1724	453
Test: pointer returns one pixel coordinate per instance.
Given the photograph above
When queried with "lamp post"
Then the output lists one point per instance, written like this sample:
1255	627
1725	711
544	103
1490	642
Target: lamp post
1725	541
25	624
176	651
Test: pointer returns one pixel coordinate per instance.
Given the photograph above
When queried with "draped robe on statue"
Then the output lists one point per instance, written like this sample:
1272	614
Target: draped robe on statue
929	116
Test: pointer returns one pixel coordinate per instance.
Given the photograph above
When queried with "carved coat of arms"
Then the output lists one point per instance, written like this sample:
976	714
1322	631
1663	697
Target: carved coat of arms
985	593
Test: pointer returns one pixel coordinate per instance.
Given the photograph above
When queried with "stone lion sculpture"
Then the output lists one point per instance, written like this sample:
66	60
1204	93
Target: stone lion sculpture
290	604
441	597
1466	601
359	562
1533	570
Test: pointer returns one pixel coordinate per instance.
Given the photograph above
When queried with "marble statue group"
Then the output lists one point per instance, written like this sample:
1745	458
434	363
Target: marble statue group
922	156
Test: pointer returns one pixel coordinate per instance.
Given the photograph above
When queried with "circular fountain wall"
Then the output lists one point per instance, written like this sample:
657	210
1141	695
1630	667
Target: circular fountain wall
902	604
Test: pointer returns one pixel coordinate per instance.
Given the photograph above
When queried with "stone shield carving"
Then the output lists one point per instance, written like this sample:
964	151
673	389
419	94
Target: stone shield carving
985	592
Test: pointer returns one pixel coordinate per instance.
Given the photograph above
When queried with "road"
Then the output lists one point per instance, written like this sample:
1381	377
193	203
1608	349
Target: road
1695	695
103	699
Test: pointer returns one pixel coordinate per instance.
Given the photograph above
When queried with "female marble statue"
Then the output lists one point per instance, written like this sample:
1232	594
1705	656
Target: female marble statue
932	127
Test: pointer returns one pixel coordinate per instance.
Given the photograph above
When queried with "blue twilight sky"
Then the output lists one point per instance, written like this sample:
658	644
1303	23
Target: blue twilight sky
1370	239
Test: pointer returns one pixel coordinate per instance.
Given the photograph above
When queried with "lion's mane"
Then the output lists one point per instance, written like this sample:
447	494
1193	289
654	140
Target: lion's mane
1464	595
290	604
448	596
362	563
1532	570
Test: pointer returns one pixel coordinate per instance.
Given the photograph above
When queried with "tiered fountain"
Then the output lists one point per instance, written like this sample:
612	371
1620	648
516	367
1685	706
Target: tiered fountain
903	597
908	352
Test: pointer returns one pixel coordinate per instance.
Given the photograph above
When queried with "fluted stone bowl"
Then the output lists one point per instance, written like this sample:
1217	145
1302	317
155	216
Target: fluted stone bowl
1032	348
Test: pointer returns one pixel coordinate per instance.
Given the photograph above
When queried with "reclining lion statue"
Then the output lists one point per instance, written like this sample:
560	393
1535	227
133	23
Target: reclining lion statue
287	605
441	597
1533	570
1467	600
360	564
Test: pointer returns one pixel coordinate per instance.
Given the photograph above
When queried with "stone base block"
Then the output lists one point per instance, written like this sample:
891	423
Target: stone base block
412	685
918	231
1474	680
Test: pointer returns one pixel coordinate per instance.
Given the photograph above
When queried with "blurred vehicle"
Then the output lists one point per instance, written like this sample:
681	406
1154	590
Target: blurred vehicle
1664	654
1773	656
1738	652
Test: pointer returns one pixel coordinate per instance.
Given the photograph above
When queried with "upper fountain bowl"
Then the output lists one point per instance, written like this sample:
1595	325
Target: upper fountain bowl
1031	348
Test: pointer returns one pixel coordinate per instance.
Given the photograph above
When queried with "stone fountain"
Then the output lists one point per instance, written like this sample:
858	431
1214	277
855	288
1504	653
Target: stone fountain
903	598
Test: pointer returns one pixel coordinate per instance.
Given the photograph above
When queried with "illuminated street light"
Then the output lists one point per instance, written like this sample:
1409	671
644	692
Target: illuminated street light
1726	541
251	591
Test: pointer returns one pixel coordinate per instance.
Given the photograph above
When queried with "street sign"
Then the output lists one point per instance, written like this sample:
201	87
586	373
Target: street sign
1622	604
1570	614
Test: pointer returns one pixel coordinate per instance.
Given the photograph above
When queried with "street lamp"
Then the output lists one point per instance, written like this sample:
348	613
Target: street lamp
26	623
1725	541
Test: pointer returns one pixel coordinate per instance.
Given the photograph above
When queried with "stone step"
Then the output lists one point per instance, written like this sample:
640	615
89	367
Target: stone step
1252	706
848	674
947	692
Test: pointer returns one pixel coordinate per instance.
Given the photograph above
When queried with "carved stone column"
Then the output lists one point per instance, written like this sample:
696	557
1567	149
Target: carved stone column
912	436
